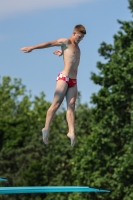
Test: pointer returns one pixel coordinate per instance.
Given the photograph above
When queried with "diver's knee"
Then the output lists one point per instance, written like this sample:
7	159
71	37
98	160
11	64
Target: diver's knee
55	106
71	105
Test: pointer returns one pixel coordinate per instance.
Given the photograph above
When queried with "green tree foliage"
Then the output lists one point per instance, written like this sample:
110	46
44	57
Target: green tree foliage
24	159
19	122
107	159
131	5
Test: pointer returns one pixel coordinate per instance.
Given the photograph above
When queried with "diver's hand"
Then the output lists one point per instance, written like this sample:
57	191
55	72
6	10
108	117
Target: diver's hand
58	52
27	49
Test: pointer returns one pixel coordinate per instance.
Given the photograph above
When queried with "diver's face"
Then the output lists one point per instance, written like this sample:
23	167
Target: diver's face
78	36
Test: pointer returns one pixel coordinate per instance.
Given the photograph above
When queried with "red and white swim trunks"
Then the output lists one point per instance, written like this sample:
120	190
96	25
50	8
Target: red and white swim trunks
71	82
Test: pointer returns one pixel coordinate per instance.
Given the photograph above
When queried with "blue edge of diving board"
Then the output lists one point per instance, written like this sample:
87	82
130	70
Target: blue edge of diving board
3	179
45	189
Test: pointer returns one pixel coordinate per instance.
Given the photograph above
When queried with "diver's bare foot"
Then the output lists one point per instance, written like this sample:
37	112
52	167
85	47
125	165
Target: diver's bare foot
72	138
45	135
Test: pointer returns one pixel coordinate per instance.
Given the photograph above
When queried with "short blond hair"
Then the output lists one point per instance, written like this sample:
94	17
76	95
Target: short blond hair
80	28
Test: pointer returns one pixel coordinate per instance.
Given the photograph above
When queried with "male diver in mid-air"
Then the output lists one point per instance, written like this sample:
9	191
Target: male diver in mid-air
66	82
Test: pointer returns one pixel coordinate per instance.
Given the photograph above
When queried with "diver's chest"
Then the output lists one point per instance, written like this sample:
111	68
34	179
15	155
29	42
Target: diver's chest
74	50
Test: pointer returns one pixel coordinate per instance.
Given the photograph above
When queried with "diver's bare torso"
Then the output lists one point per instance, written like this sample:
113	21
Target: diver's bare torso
70	51
71	56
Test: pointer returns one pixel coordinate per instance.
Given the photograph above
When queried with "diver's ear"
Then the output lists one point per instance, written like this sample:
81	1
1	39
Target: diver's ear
74	32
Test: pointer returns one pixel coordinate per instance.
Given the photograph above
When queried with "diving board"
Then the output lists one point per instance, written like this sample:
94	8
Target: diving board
3	179
45	189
